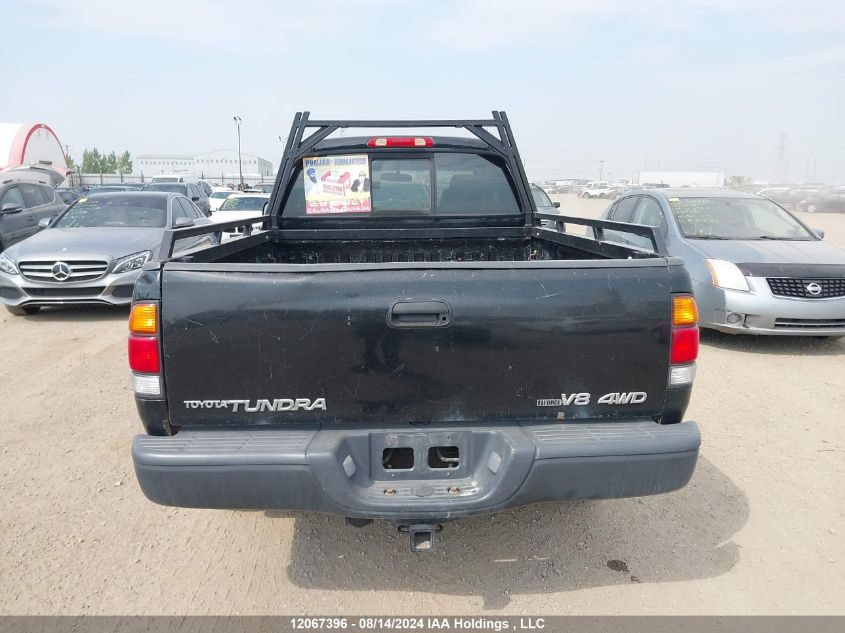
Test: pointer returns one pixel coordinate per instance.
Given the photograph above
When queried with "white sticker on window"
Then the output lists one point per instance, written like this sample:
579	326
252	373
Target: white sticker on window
337	184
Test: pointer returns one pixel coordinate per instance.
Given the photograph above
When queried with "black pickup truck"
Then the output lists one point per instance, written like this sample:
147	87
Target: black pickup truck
407	338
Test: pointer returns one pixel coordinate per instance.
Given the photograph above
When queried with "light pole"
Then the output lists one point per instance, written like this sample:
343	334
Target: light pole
601	169
240	168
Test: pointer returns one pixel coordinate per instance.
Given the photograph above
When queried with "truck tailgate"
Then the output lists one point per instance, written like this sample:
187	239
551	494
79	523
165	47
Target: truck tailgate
414	343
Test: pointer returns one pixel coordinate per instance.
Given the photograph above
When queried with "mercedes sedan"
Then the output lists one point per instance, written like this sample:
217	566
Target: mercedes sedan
93	252
755	267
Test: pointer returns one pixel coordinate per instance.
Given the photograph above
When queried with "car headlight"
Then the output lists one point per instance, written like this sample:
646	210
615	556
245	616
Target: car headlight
7	265
131	262
726	275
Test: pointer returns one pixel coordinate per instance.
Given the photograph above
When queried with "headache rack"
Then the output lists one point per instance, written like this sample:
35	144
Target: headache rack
299	145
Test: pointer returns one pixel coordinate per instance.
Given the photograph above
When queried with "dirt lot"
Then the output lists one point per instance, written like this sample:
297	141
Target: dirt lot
758	530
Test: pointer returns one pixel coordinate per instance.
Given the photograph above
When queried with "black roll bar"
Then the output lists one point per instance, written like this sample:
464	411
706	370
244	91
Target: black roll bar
299	145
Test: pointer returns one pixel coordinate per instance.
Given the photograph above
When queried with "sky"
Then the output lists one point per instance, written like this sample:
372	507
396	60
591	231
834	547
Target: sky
707	85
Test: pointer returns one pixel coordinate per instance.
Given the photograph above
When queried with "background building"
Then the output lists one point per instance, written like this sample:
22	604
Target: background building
152	164
220	165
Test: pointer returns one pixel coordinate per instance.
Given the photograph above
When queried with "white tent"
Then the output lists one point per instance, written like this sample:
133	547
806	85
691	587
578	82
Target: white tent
31	151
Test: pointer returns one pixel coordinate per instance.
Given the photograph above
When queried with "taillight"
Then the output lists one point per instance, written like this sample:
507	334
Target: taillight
143	319
400	141
144	360
684	310
684	343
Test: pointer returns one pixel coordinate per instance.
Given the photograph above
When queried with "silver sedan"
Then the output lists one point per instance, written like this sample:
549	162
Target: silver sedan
755	268
93	252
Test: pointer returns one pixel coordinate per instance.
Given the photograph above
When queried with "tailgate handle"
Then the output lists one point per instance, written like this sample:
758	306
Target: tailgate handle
434	313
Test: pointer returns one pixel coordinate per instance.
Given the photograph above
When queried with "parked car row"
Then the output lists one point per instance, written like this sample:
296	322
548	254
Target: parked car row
809	197
91	251
832	201
192	191
563	186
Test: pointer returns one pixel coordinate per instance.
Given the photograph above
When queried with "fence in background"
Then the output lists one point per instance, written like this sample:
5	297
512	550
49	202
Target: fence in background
79	179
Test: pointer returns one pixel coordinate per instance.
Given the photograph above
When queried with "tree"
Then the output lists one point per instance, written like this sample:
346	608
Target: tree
110	163
69	162
93	162
124	163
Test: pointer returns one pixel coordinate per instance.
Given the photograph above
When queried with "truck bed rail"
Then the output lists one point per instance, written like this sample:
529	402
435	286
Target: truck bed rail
599	226
171	236
597	245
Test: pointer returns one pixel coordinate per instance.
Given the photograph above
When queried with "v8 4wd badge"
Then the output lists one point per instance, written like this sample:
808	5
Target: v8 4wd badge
583	399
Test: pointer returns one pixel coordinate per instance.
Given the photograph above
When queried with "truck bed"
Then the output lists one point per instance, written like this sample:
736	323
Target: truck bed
400	251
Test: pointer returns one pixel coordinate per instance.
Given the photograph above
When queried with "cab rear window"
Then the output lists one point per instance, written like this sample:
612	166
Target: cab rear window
439	184
401	185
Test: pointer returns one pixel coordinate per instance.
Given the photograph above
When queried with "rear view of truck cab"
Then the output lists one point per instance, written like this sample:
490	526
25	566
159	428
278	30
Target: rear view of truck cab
408	339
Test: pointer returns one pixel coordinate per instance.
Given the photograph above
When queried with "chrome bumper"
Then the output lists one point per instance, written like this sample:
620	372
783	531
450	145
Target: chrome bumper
17	290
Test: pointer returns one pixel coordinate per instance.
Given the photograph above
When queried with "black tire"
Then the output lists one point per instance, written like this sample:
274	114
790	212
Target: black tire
23	310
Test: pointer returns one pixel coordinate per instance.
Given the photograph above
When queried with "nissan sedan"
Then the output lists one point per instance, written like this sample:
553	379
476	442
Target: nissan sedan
756	268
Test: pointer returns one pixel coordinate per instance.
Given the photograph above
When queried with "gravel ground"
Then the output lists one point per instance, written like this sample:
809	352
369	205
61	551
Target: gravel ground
758	530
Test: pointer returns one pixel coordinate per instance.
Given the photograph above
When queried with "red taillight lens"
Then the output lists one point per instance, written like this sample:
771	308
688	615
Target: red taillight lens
684	345
400	141
143	354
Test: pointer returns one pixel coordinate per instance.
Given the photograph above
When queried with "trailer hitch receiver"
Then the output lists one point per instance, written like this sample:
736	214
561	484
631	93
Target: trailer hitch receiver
421	536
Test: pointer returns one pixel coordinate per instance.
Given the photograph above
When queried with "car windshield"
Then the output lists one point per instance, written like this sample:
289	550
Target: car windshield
132	210
163	186
166	179
736	219
244	203
220	194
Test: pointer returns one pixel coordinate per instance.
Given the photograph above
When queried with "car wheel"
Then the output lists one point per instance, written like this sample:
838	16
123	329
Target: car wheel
586	194
23	310
811	208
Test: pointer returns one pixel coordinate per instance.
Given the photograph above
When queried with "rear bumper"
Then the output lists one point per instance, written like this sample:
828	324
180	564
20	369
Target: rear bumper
341	472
